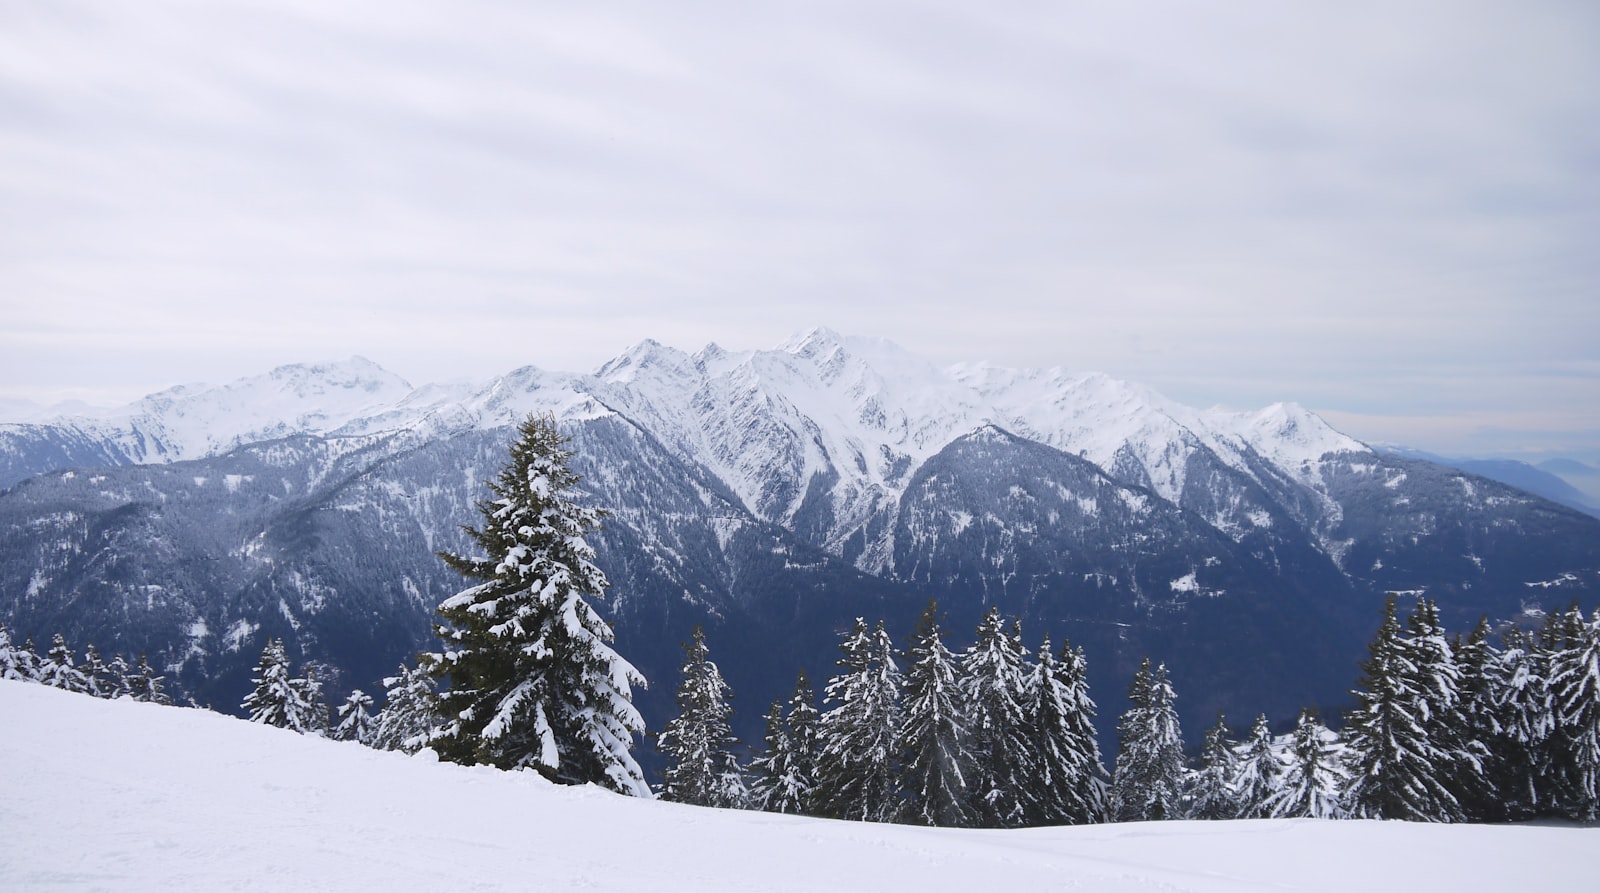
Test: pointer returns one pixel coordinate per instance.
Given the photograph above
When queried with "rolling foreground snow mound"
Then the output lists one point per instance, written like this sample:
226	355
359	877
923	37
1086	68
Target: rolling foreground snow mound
117	795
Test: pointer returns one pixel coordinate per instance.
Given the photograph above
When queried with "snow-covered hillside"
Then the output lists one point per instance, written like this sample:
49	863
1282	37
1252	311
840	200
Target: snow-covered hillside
117	795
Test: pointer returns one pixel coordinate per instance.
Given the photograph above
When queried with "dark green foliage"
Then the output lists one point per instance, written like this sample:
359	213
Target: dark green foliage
532	679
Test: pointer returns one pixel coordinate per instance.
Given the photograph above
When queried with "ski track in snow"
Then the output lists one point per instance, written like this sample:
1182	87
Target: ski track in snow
117	795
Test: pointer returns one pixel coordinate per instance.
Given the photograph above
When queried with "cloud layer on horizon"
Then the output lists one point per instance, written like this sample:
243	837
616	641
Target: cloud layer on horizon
1386	212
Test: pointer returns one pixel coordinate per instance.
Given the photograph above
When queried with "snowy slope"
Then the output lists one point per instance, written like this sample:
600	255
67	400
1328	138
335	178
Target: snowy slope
100	795
191	421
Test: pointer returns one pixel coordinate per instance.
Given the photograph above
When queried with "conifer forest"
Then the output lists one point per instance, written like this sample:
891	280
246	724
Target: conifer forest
1486	725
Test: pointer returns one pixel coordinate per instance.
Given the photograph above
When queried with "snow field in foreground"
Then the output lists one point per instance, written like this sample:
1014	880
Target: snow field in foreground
118	795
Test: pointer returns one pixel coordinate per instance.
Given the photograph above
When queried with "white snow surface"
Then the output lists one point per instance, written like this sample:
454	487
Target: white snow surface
117	795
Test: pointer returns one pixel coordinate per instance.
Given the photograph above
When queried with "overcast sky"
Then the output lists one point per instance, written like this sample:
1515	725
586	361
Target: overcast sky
1388	212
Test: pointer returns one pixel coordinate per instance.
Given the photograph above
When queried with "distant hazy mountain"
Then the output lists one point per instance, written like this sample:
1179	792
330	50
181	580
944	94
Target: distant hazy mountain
773	496
1552	479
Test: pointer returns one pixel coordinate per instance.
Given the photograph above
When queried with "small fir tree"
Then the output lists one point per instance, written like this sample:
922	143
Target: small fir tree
355	718
698	743
145	684
1312	786
16	661
533	681
786	773
1149	774
410	711
1260	772
1211	793
279	699
934	733
97	674
58	669
117	673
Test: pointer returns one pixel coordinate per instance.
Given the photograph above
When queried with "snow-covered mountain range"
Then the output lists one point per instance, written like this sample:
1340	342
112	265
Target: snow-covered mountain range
773	494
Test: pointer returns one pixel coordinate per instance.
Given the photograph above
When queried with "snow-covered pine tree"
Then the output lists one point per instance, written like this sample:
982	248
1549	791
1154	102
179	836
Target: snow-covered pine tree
1315	779
1149	774
1523	718
144	684
309	686
97	674
770	780
355	718
1436	679
279	699
1477	720
858	748
117	672
1260	772
410	711
1575	690
786	774
1210	793
698	743
1069	786
1395	768
532	679
58	669
934	733
993	684
16	661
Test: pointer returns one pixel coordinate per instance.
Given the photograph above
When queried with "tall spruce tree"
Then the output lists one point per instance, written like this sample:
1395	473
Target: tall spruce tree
1149	773
410	711
698	743
1397	772
993	684
858	771
934	734
1313	784
279	698
1523	717
1575	691
532	679
1069	784
1210	788
59	670
355	718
